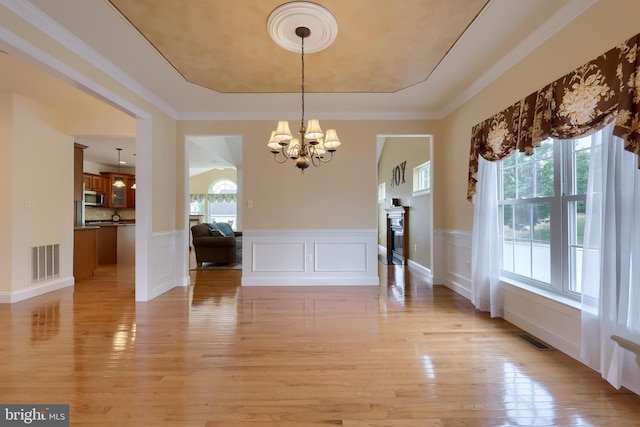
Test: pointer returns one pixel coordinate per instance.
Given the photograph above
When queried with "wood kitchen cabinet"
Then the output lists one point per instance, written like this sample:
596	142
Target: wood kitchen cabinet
78	158
85	259
94	182
116	197
131	191
107	245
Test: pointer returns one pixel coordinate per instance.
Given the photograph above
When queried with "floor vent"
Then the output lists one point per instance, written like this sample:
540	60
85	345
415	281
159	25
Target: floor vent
45	263
534	342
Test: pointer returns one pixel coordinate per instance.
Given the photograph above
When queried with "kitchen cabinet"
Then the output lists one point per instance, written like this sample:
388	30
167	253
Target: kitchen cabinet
85	260
116	197
78	158
107	245
94	182
131	191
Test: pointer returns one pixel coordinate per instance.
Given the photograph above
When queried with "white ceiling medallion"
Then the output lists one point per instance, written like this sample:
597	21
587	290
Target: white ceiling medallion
284	20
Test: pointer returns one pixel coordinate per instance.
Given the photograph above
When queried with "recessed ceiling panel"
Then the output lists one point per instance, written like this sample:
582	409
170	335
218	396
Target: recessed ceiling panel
381	46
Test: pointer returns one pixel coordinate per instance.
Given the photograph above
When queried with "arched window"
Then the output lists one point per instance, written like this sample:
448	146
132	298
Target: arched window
223	186
223	206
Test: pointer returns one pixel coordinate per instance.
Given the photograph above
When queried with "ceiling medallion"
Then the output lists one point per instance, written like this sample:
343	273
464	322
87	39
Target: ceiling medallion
284	20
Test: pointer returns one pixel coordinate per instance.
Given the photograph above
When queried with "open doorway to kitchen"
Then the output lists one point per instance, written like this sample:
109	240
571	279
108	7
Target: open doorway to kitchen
214	184
100	121
405	179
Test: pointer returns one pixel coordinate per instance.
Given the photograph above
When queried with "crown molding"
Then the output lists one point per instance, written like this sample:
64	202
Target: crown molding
559	20
271	115
51	28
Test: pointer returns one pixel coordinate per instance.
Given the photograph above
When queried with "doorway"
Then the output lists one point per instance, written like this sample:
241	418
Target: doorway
214	182
405	178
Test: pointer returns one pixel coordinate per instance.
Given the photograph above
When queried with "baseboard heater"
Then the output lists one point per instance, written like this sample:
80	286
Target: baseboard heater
534	342
45	262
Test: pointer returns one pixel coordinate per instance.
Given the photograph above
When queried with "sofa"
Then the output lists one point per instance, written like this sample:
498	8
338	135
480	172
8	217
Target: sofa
217	243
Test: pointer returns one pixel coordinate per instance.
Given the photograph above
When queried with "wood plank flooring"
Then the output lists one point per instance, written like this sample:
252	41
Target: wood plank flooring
214	354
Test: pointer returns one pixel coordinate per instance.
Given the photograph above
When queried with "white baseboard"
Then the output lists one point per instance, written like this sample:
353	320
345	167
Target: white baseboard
36	290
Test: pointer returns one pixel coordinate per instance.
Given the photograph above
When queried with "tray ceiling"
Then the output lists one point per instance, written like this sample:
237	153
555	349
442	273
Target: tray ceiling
381	46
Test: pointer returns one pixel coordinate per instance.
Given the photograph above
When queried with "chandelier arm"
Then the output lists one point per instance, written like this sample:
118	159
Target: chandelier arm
322	158
284	154
315	159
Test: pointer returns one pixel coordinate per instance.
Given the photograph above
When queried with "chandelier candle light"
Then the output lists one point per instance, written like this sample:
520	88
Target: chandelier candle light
313	147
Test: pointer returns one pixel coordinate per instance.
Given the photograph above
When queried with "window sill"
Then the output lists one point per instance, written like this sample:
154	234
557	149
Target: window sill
554	296
421	193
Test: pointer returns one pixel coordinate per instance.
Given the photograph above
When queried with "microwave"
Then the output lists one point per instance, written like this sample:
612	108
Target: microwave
93	198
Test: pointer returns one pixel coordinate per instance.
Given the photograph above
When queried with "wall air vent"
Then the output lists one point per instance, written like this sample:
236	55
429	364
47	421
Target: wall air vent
45	263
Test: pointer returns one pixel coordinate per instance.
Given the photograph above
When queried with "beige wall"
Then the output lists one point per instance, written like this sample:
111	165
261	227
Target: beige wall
415	151
340	194
6	190
40	211
104	121
599	29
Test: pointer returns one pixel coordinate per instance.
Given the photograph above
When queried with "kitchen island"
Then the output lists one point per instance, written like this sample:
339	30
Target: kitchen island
115	242
85	259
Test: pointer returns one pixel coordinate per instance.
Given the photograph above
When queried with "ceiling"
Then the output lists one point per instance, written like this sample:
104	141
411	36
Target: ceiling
215	60
380	45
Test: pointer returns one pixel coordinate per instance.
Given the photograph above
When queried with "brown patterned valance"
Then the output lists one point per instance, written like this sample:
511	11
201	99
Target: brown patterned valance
578	104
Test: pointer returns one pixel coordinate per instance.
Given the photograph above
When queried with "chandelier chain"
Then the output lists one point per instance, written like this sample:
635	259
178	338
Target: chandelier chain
302	120
320	147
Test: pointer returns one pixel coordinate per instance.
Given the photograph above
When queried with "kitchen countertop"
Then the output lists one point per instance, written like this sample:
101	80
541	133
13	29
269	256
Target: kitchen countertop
108	223
86	227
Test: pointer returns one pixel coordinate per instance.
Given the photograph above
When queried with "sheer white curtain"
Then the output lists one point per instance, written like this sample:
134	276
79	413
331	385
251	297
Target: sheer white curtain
611	261
486	252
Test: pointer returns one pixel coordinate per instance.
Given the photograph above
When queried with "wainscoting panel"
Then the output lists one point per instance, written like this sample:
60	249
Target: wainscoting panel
309	257
340	257
277	257
452	260
163	274
555	323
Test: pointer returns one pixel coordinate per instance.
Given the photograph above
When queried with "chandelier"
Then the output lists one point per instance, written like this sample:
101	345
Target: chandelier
313	147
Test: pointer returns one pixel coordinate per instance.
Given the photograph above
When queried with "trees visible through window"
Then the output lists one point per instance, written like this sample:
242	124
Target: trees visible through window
542	212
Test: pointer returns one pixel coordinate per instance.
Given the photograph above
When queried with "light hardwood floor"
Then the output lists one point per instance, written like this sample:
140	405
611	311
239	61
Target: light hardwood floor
214	354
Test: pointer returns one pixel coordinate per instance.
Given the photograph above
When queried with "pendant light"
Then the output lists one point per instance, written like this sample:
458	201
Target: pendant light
119	180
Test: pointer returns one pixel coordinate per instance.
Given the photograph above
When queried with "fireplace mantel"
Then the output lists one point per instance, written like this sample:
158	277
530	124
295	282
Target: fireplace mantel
397	234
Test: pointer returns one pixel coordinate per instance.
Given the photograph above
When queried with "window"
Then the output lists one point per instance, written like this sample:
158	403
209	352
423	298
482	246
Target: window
196	207
223	205
542	212
422	178
223	186
382	192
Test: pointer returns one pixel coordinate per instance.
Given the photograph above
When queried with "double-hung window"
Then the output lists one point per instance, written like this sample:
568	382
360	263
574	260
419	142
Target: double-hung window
422	179
542	214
